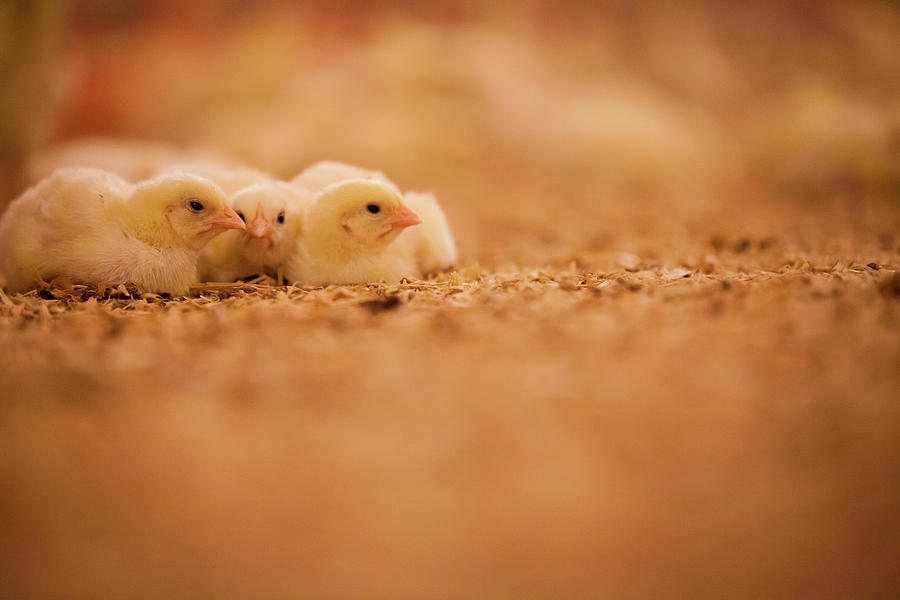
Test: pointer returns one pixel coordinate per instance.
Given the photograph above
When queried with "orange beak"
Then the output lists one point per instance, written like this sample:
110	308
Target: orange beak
259	226
227	220
404	218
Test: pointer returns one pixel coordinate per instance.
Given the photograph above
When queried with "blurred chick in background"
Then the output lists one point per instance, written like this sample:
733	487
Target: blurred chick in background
232	178
90	226
320	175
272	212
131	159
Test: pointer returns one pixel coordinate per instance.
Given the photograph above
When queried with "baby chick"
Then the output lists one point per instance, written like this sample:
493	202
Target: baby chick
320	175
88	225
353	232
272	213
434	243
231	179
131	159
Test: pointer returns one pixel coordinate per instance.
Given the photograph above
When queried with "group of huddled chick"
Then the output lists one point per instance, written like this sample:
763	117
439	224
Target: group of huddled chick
332	224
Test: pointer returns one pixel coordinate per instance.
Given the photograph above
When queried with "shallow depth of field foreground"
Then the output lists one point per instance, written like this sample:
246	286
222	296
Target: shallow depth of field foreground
666	365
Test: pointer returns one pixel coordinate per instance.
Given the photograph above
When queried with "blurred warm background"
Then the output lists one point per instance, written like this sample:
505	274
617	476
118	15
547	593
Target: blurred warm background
666	366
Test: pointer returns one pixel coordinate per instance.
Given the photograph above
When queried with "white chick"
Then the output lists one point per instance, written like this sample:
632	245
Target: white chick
434	243
353	232
131	159
90	226
272	212
320	175
231	179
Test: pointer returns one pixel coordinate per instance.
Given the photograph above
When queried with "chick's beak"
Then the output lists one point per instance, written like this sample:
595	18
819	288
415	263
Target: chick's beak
227	220
259	226
403	218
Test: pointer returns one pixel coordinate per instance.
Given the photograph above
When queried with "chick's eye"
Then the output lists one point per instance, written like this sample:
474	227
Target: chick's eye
196	206
241	215
373	208
281	217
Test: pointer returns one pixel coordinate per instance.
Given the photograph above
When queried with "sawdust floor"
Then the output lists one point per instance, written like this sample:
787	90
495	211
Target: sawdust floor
719	419
667	366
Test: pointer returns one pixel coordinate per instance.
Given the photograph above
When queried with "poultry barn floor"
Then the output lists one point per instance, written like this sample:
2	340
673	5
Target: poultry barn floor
667	364
730	424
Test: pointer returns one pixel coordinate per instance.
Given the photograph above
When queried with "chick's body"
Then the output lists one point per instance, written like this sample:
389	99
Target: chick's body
415	251
91	226
315	264
353	233
433	243
273	212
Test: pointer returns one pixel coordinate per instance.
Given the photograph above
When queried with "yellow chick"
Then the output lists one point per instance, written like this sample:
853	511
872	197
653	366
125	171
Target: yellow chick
353	232
272	212
320	175
434	245
90	226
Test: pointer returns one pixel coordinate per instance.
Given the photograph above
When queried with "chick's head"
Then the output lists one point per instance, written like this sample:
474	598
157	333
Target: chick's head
182	210
271	212
361	215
